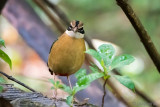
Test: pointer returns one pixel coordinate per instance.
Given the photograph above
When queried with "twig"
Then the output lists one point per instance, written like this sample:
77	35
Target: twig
142	33
104	91
13	79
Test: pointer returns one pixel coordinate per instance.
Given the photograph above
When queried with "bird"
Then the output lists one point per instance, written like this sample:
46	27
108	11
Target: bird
67	53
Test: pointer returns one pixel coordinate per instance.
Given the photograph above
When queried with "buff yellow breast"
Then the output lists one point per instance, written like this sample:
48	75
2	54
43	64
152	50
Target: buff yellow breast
66	55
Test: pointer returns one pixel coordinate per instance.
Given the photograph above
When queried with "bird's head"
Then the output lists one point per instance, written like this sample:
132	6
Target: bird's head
75	29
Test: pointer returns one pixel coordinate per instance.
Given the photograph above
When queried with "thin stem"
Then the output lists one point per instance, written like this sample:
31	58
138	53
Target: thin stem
104	90
69	82
13	79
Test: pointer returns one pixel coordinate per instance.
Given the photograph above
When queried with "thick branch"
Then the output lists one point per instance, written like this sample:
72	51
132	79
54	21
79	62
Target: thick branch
19	98
13	79
142	33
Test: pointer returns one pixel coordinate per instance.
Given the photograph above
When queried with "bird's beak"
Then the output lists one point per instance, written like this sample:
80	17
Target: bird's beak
75	29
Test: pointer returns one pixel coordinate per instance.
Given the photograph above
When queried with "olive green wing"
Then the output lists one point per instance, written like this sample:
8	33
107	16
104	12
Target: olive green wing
52	45
49	53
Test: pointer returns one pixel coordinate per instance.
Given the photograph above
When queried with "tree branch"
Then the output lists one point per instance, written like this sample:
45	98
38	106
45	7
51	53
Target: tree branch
13	79
142	33
20	98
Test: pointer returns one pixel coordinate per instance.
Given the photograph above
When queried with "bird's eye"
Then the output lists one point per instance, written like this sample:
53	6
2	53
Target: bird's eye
70	27
81	30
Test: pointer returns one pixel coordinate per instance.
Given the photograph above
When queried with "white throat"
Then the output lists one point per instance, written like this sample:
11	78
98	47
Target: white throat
73	34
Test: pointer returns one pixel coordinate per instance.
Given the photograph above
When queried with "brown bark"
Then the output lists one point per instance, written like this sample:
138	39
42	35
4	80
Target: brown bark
19	98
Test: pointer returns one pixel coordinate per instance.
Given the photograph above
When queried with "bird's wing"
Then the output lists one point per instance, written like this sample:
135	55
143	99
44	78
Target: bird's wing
52	46
49	53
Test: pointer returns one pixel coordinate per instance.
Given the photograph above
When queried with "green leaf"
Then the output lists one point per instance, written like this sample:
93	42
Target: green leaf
60	85
94	53
79	88
2	80
2	42
52	81
1	88
66	89
103	66
121	61
57	82
107	52
126	81
94	68
87	79
6	58
84	81
52	88
69	100
80	73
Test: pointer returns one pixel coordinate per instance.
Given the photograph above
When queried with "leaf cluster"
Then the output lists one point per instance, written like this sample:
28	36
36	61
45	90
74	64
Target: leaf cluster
107	59
83	81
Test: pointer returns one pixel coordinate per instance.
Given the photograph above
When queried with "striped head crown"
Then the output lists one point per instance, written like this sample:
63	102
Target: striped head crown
76	26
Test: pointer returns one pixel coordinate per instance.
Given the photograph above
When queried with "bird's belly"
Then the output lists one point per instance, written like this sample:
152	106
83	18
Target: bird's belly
67	56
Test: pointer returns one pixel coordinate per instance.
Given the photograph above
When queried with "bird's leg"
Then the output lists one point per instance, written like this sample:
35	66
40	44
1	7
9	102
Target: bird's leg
69	82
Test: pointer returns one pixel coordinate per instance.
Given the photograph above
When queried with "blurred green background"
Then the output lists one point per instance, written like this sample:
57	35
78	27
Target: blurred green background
103	20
